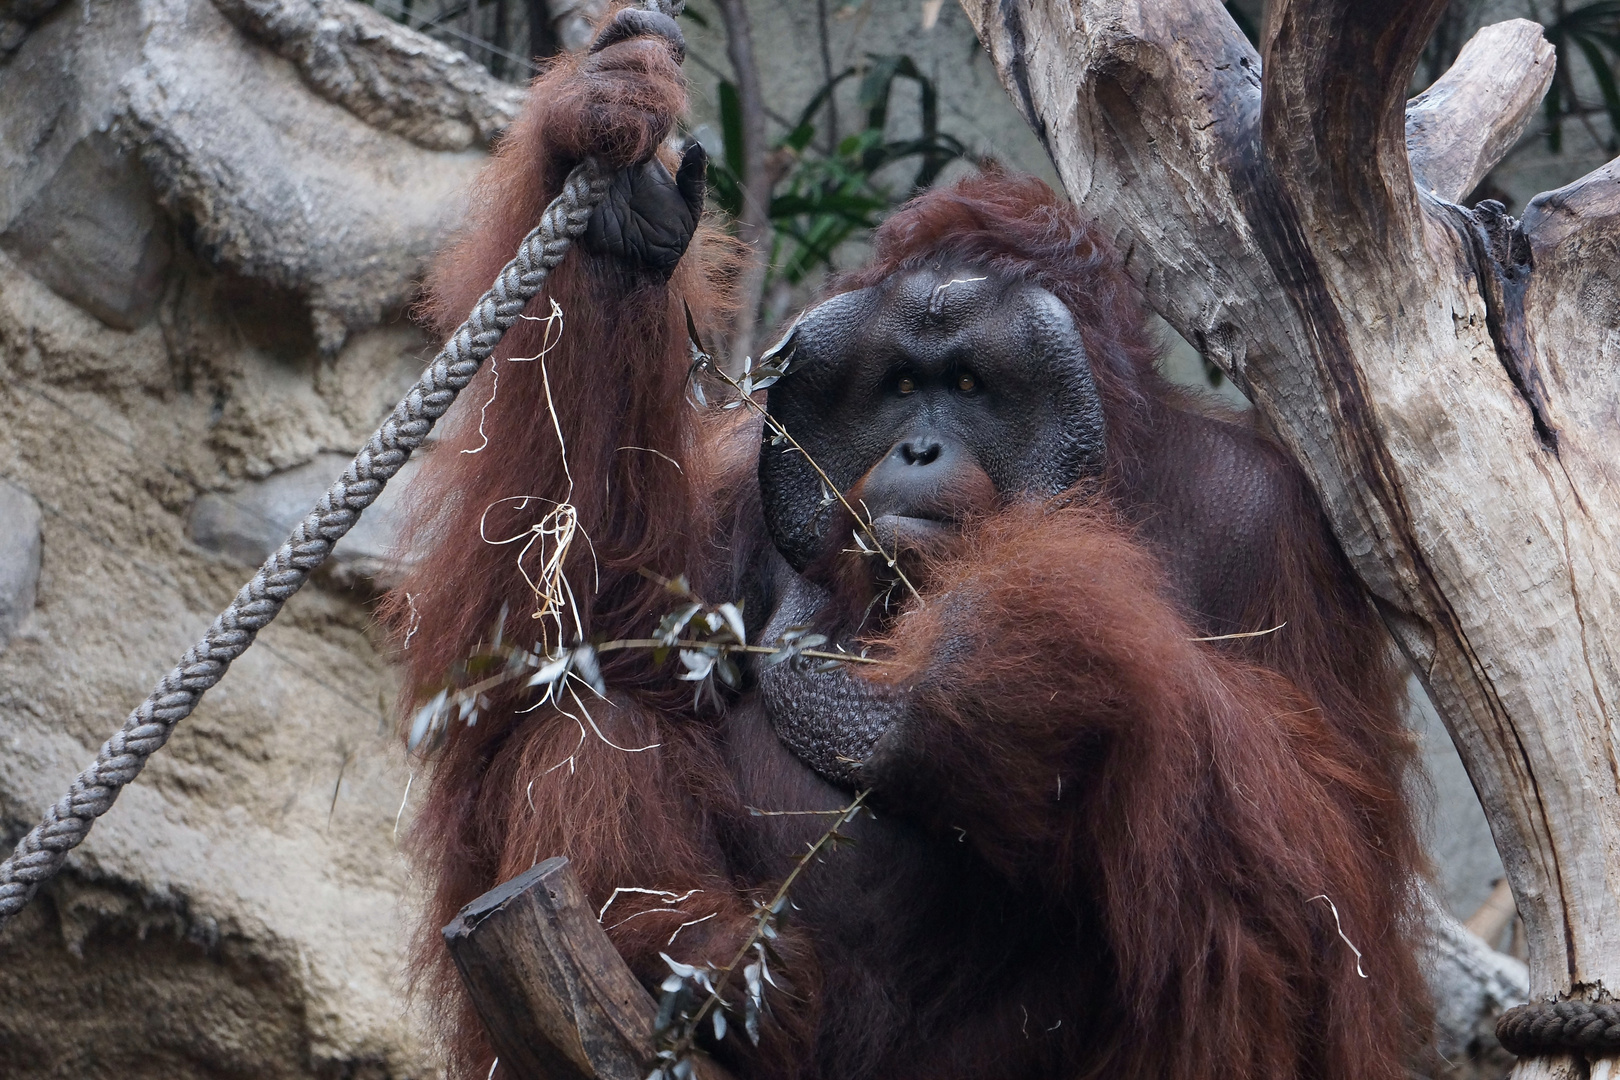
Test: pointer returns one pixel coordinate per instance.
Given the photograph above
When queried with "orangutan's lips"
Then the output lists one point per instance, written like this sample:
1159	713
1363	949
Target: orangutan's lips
898	531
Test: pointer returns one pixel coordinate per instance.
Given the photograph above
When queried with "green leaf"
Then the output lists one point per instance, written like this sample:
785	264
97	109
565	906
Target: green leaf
724	187
1605	80
684	971
429	719
799	137
587	668
671	625
698	349
824	200
734	622
553	670
852	146
731	127
821	97
697	665
876	86
1601	15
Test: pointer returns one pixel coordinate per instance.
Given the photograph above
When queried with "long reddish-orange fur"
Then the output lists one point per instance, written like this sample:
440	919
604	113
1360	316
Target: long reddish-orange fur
650	481
1204	802
1213	788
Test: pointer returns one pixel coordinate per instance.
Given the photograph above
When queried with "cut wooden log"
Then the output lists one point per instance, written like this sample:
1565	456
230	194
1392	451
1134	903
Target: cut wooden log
557	999
1445	376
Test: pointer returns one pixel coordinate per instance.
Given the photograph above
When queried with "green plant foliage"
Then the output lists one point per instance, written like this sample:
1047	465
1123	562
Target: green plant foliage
1592	31
1244	23
823	200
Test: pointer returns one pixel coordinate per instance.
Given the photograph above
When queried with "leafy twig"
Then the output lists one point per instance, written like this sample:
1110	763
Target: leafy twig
720	635
672	1059
731	647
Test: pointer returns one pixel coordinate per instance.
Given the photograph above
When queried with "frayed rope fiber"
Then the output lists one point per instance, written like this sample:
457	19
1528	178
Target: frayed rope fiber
1550	1027
40	854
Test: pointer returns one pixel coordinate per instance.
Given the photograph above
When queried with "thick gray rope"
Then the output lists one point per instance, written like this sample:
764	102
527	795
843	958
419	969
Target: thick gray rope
1552	1027
41	853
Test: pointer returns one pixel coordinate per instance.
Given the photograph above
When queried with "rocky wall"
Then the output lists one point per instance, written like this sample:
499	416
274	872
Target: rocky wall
212	218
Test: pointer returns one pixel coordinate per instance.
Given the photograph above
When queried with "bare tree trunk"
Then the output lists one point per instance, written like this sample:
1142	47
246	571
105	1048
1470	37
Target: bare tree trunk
542	38
754	224
498	37
830	134
1445	376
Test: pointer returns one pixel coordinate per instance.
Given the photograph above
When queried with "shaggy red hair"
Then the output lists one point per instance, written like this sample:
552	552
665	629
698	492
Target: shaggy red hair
1208	805
1219	788
650	481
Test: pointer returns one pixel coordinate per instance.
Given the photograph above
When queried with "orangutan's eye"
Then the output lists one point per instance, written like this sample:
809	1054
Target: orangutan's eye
907	384
966	383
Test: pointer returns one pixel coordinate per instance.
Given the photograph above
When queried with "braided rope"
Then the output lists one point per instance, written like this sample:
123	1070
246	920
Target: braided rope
1550	1027
41	853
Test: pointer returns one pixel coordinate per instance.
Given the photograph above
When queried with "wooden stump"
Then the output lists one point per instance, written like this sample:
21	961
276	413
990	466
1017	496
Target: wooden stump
557	999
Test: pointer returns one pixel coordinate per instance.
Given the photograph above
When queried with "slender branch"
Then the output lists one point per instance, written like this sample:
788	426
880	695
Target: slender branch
726	647
762	917
822	38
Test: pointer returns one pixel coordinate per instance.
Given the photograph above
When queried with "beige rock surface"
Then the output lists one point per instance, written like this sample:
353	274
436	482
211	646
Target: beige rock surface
208	236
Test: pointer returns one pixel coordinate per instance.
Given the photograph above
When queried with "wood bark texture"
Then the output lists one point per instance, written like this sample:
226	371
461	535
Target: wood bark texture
754	223
558	1001
1446	376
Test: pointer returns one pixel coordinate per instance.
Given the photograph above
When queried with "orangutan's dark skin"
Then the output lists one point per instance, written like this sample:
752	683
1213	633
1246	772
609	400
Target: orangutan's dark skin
1099	839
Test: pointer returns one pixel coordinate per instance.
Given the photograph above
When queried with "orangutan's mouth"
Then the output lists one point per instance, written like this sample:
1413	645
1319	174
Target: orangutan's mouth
899	532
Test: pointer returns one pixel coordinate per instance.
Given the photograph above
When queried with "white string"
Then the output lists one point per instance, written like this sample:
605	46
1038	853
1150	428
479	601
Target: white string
416	621
405	799
684	925
1340	928
660	453
547	343
662	894
591	721
555	532
554	536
